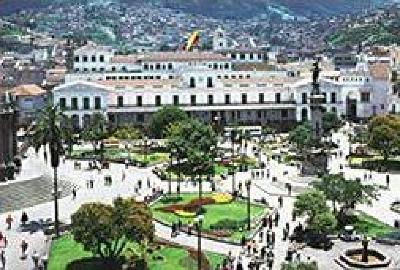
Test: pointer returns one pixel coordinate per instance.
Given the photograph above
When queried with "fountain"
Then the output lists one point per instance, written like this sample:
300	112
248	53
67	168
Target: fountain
364	257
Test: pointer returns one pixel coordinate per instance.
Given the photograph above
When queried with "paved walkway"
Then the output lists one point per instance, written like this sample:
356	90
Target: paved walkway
262	188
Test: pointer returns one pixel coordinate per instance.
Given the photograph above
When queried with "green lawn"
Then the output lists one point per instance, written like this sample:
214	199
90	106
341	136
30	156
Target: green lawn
236	210
122	154
392	164
65	250
365	224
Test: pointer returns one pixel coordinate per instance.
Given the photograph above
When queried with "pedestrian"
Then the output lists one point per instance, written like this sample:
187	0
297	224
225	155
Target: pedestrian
252	174
262	174
268	238
280	201
148	182
387	180
276	218
44	261
294	215
91	183
261	236
35	259
264	222
239	266
365	176
173	230
263	252
285	234
9	221
24	248
289	187
273	238
24	218
270	259
287	226
3	259
248	249
74	193
270	222
140	184
123	176
240	186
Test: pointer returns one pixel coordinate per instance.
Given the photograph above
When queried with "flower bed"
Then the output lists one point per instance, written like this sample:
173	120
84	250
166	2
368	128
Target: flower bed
222	197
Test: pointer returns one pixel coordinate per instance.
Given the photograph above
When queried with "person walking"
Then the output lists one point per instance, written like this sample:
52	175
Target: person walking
74	193
3	259
35	259
280	201
24	218
9	221
24	248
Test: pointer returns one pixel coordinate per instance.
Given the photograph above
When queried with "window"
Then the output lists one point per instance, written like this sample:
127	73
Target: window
120	101
333	109
284	113
261	98
192	83
382	106
74	103
242	56
145	66
304	98
215	66
62	103
101	69
85	58
278	98
169	65
251	56
210	99
86	103
209	82
244	98
226	66
158	66
112	68
227	99
101	58
158	100
333	97
393	108
93	58
176	100
94	69
365	97
97	103
139	101
77	59
193	100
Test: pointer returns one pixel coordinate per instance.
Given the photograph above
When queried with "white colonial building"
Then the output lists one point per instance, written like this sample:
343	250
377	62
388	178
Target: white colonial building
208	85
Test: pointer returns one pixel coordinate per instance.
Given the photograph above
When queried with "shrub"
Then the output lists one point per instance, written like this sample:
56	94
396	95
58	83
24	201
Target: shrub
229	224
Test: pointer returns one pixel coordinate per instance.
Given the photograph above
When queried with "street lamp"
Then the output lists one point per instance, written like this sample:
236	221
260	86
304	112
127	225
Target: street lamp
199	223
248	186
233	138
145	148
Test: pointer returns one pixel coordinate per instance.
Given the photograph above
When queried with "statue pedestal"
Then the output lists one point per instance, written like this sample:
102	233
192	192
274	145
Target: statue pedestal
315	163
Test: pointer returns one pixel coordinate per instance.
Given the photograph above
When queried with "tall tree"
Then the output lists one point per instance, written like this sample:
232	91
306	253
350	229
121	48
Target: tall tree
164	117
105	230
310	203
384	134
330	185
197	145
301	136
48	133
330	121
95	132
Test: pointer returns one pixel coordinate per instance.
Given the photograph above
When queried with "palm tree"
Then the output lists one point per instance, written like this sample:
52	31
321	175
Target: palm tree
48	133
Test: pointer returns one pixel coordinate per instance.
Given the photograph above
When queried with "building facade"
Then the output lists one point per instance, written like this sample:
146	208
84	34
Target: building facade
129	88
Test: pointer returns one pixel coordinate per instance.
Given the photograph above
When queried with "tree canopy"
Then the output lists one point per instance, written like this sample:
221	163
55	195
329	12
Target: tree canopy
96	130
127	133
105	230
195	142
301	136
330	121
164	117
384	134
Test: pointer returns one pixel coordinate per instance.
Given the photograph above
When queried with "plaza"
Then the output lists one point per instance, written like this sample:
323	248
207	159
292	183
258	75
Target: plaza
262	188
